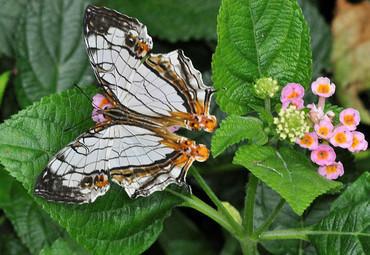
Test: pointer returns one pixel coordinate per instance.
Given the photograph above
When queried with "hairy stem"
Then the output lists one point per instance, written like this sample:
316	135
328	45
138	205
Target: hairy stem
200	206
202	183
249	204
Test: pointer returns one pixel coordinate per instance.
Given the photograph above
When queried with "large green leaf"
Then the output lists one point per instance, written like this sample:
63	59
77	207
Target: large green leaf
258	38
173	20
286	171
10	13
348	224
235	129
32	224
114	223
50	52
267	200
63	246
358	192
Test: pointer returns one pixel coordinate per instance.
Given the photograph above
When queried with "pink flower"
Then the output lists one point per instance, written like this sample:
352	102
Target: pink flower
298	103
316	114
341	137
292	91
332	171
293	94
323	155
350	118
323	87
324	129
99	103
358	143
308	141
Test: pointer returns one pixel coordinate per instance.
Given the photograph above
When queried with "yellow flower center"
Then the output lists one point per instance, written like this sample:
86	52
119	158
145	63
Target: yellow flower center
324	131
322	155
331	169
355	142
340	137
349	119
323	88
293	95
307	140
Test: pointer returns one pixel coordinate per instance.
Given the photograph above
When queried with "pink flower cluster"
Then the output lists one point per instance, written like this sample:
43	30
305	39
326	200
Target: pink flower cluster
324	132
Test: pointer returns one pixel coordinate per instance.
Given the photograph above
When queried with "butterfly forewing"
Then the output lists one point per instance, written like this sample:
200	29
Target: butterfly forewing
152	85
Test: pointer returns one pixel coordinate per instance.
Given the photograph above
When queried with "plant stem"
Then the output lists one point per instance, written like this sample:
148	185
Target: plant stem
268	105
202	183
249	204
271	218
199	205
284	234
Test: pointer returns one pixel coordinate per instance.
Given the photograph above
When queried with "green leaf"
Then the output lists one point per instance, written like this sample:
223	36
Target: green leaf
10	14
4	78
235	129
187	240
266	201
33	225
356	193
63	246
258	38
114	223
320	37
286	171
348	224
50	51
173	20
348	231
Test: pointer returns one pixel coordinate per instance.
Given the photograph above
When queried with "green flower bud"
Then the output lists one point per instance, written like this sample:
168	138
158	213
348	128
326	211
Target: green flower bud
266	88
291	123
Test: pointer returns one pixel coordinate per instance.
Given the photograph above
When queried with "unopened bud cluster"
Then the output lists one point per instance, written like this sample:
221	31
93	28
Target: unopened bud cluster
291	123
266	88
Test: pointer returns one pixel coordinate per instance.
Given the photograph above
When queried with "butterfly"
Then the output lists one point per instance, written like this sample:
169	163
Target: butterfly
146	98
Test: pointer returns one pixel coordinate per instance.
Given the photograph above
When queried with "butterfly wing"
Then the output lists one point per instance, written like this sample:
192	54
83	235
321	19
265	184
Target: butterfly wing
157	86
116	45
135	157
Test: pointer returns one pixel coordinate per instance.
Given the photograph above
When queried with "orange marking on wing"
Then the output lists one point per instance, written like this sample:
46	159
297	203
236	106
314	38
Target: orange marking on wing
101	181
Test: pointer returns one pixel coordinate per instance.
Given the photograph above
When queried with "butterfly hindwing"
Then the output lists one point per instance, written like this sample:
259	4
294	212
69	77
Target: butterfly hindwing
134	157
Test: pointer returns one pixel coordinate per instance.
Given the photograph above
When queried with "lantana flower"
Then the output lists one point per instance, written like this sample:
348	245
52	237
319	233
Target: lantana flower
309	141
292	93
342	137
324	128
323	87
99	103
332	171
323	155
350	118
325	132
358	142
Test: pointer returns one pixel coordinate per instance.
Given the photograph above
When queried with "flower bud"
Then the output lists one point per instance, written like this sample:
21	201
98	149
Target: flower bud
266	88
